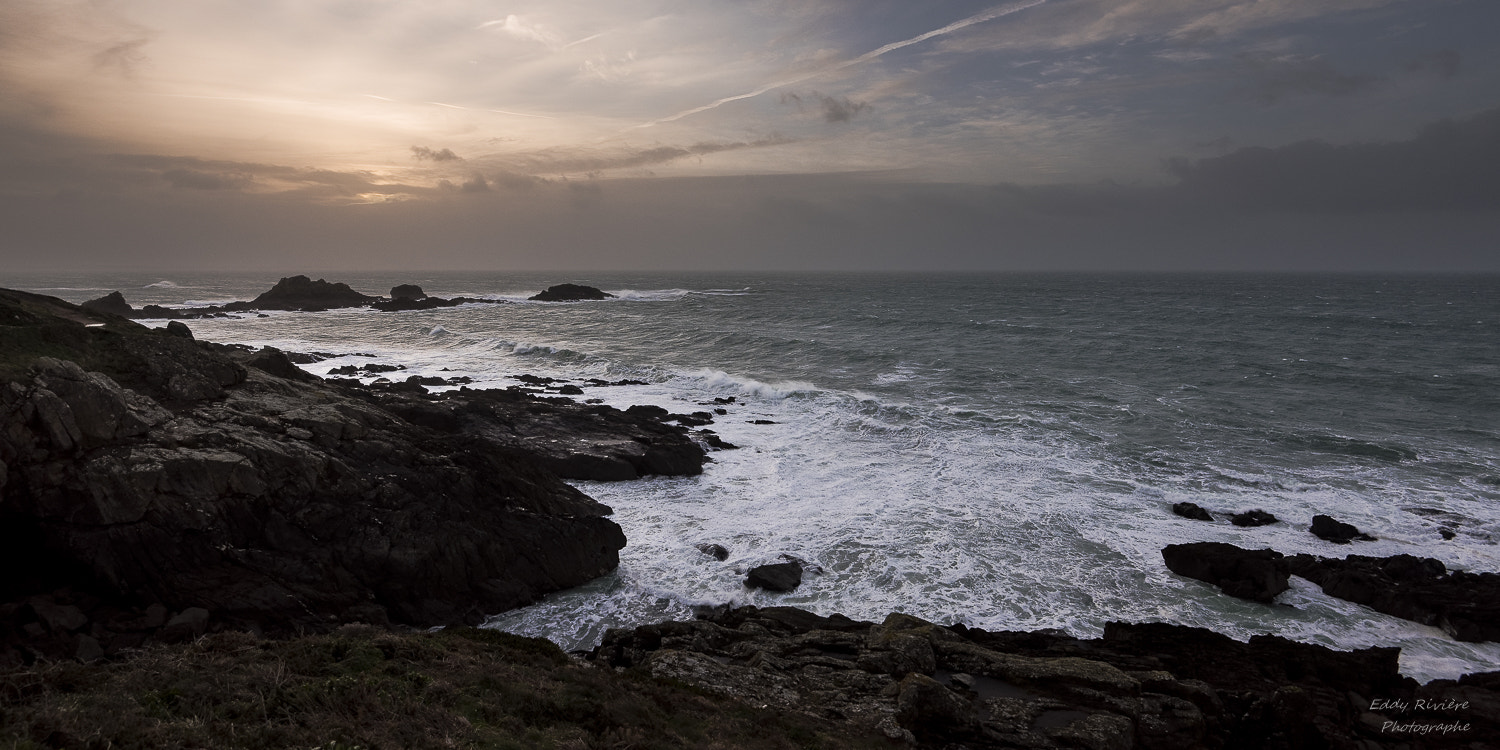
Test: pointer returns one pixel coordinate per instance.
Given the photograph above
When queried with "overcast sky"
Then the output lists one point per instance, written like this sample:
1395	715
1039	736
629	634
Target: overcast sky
285	135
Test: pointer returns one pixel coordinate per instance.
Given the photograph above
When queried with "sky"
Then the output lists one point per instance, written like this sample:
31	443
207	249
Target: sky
288	135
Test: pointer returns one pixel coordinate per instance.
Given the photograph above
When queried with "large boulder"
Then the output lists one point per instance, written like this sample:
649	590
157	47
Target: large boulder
1329	529
1257	575
570	293
777	577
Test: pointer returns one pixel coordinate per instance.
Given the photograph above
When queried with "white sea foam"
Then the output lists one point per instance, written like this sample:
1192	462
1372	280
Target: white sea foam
162	285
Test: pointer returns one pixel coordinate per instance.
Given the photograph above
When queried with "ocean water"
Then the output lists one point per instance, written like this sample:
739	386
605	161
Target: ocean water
998	450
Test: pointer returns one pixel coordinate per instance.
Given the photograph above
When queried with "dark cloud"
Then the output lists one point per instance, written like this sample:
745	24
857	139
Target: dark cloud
1450	165
1276	78
1444	64
423	153
832	109
122	58
573	161
475	184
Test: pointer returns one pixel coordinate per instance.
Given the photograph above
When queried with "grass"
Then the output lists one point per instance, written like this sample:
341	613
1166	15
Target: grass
367	688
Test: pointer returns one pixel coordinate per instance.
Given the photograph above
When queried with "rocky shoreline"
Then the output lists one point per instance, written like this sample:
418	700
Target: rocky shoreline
155	489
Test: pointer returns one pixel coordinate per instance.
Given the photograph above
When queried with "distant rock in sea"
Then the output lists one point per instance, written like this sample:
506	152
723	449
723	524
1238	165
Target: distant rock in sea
570	293
302	293
407	291
113	303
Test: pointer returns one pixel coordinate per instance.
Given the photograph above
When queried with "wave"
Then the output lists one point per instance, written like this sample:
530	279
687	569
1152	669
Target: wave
720	381
163	285
1351	447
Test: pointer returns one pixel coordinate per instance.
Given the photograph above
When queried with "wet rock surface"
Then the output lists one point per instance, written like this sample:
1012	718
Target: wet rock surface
1421	589
150	469
1257	575
1140	685
1191	510
1332	530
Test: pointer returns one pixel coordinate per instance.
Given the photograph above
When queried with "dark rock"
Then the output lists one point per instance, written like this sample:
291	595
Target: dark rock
1257	575
345	370
692	420
274	361
1255	517
759	421
179	329
59	618
185	625
375	367
166	471
426	380
407	292
716	551
777	577
1465	605
425	303
308	358
647	410
113	304
721	412
1146	685
570	390
1191	510
570	293
302	293
724	400
1338	532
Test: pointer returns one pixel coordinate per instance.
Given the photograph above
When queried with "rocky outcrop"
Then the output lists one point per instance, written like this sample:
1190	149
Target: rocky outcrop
113	304
1143	686
569	293
1420	589
401	292
1257	575
153	469
1338	532
302	293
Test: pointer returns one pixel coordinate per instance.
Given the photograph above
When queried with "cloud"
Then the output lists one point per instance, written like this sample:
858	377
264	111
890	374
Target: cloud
520	28
475	184
423	153
834	109
1451	165
1444	64
1276	78
122	58
189	179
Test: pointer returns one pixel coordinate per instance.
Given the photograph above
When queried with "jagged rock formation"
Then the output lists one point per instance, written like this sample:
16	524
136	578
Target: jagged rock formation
1330	529
1191	510
1258	575
1420	589
141	467
1144	686
569	293
302	293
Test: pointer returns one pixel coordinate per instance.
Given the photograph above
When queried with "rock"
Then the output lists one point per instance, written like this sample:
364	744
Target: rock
1257	575
179	329
88	649
1146	685
569	293
302	293
1420	589
1191	510
185	625
113	304
284	504
274	361
647	410
716	551
407	292
1255	517
777	577
59	618
1338	532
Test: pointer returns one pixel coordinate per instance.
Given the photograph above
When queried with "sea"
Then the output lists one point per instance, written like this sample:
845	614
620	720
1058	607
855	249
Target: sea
999	450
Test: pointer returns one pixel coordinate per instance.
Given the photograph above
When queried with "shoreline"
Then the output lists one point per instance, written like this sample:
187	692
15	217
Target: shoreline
184	377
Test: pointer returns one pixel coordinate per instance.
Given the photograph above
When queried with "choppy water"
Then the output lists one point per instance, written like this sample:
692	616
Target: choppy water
997	450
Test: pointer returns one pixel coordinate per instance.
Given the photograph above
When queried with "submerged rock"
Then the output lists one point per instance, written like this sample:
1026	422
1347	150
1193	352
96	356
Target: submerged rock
570	293
1255	517
1257	575
1191	510
716	551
